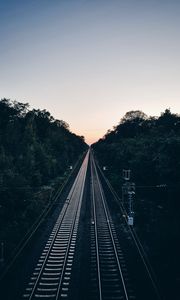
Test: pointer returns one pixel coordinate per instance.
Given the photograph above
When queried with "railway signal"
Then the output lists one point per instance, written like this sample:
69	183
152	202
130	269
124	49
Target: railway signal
126	174
128	193
131	212
2	254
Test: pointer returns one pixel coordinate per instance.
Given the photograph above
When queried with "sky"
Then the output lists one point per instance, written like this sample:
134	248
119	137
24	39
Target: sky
88	62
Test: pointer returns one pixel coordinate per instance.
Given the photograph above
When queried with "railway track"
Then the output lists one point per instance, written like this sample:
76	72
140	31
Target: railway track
52	274
138	246
106	272
109	274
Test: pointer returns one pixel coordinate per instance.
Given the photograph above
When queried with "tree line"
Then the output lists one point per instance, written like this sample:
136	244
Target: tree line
35	149
149	146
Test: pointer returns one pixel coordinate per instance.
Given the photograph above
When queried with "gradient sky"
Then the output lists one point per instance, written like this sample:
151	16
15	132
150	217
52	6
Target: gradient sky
88	62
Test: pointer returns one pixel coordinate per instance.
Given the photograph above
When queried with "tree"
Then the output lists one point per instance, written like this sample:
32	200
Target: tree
134	116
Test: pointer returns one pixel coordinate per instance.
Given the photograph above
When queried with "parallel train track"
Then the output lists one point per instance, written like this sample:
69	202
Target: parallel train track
137	243
52	274
108	269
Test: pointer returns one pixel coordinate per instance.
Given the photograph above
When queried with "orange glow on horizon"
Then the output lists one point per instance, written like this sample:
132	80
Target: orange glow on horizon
90	136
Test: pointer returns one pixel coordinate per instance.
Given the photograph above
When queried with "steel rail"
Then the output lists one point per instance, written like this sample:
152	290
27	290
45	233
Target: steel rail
96	236
59	222
110	230
81	176
76	219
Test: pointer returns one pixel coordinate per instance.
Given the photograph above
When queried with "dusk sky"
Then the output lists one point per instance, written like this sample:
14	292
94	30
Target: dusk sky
88	62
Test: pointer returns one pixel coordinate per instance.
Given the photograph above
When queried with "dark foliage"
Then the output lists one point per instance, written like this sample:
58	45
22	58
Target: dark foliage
150	148
34	150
